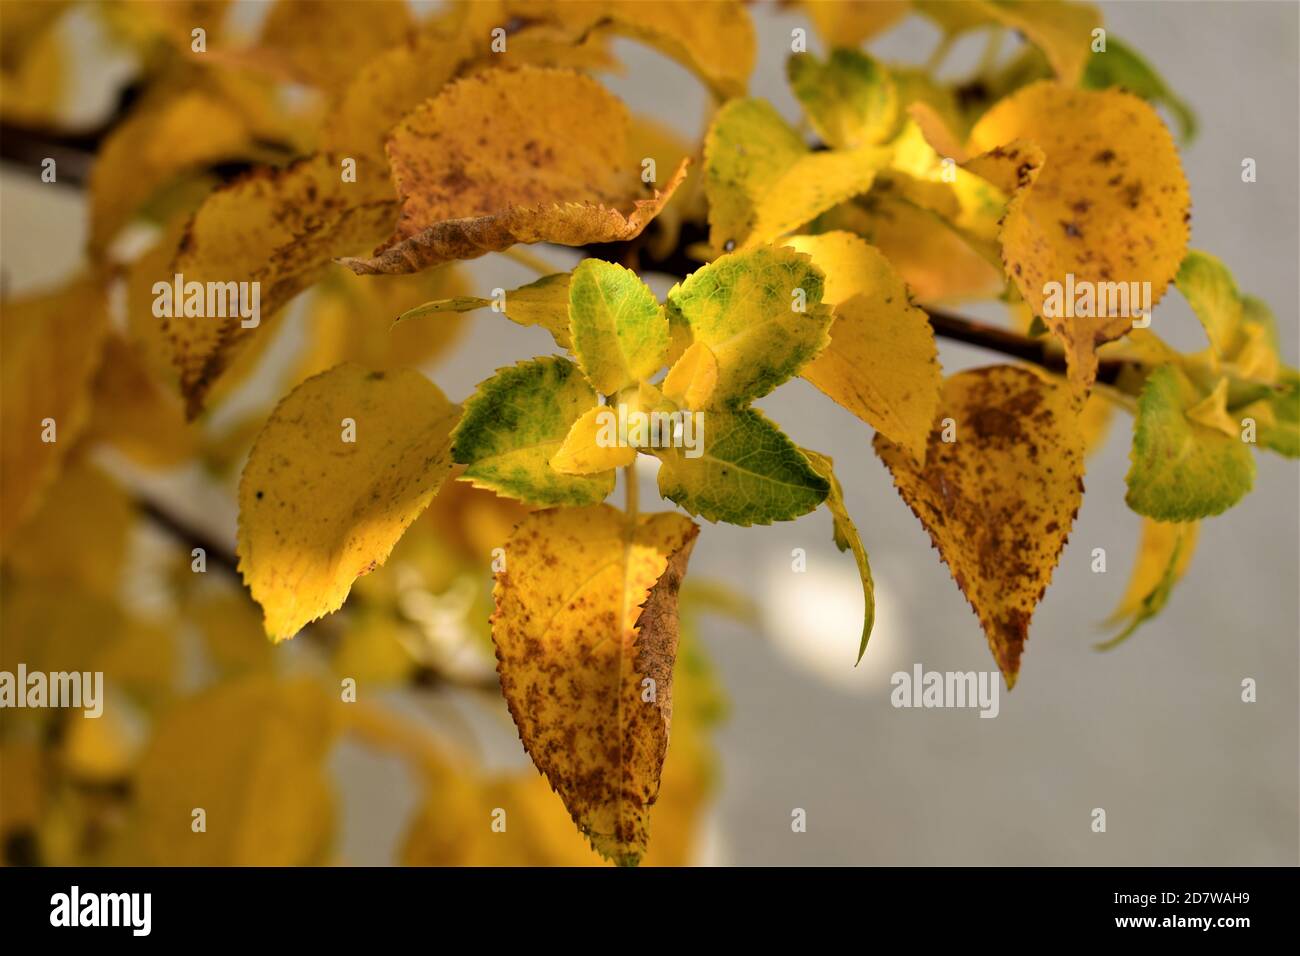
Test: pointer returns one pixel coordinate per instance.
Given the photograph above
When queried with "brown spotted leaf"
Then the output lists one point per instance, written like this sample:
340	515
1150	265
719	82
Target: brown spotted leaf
510	156
586	635
999	498
1109	208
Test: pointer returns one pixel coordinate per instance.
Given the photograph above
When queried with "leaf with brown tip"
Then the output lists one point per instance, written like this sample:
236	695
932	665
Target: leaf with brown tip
999	499
586	635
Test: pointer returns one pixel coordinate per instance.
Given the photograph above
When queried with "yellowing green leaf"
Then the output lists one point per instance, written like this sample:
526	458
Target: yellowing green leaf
544	302
1105	208
761	315
619	331
999	498
1209	288
850	99
346	462
882	364
846	538
250	754
1181	469
762	181
516	422
746	472
528	155
586	635
1163	555
51	348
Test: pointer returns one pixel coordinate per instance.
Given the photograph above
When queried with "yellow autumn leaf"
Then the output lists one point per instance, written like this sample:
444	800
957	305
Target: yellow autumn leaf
232	633
1165	551
350	319
1062	30
763	181
186	123
529	155
1001	485
346	462
250	754
882	364
136	415
584	453
51	349
586	635
1105	209
544	302
692	380
33	63
78	537
324	42
276	227
847	23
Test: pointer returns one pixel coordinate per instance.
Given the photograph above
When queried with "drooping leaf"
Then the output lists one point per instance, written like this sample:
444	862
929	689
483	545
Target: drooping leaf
1106	209
586	635
251	755
1063	31
760	313
746	472
51	348
350	319
1182	469
346	462
618	329
762	181
850	99
882	364
849	22
1210	289
544	303
846	539
516	422
1163	555
532	155
1122	66
279	228
999	499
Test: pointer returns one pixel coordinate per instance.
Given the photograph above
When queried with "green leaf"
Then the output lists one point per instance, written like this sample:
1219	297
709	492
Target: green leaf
1182	470
748	473
1208	286
619	332
1277	418
745	308
846	538
1121	65
544	303
850	99
516	422
762	181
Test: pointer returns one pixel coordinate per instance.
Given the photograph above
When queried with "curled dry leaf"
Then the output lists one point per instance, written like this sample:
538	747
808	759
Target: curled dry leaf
998	498
317	510
1106	210
586	634
509	156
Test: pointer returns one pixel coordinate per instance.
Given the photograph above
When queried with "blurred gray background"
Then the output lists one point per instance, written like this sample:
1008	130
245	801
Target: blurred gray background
1154	732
